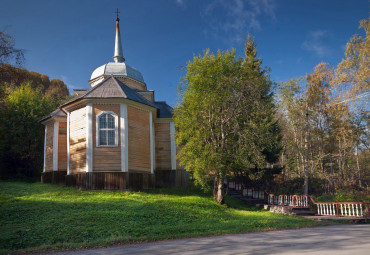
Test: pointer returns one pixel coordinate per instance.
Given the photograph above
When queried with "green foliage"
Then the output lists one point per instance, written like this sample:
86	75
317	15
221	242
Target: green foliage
294	186
353	70
203	117
25	98
225	122
36	217
12	77
21	140
342	197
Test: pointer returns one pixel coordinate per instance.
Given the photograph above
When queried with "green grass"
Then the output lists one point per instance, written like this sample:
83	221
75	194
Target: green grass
36	216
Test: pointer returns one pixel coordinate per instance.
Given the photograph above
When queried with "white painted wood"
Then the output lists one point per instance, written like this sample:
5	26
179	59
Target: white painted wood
153	127
115	129
68	138
173	145
151	142
89	138
124	137
46	131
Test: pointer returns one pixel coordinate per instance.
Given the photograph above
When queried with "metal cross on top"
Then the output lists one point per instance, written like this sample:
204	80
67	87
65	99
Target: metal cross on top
117	12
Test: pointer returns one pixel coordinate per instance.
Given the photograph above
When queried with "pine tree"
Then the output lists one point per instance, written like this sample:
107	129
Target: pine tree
225	121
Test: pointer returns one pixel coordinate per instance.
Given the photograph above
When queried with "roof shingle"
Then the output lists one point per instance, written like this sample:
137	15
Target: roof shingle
112	88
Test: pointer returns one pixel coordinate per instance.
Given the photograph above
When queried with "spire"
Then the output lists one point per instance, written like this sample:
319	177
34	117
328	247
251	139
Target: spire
118	54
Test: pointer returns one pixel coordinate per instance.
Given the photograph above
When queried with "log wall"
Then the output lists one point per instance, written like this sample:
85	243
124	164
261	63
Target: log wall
49	147
132	84
118	180
148	95
78	140
138	140
162	146
106	158
62	146
171	178
111	180
55	177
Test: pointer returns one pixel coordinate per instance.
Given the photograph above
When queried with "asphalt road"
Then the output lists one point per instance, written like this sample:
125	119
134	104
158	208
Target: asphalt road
338	239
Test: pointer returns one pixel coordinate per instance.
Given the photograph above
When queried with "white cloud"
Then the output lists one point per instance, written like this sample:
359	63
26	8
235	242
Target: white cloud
69	85
279	62
180	2
239	17
315	43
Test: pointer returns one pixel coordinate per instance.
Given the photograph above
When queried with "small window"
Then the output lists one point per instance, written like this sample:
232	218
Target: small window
107	129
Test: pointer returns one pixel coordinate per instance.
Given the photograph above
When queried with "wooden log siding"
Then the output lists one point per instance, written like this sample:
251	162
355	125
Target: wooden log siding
148	95
162	146
132	84
171	178
111	180
55	177
77	143
138	140
62	146
106	158
49	147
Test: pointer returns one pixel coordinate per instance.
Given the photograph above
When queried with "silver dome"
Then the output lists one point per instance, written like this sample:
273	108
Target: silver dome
117	69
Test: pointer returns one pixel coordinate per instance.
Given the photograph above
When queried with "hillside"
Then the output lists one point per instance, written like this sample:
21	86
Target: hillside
37	217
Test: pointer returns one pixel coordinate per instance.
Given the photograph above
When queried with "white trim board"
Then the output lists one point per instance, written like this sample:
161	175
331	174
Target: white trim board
55	145
124	137
89	138
68	142
151	129
46	131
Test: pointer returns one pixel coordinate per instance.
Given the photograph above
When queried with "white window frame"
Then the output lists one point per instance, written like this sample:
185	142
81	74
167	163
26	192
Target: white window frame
115	129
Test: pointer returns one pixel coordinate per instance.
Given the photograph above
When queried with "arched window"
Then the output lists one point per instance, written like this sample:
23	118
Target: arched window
107	129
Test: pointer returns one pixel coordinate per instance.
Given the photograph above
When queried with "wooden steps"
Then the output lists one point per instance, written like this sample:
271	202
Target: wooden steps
288	210
250	201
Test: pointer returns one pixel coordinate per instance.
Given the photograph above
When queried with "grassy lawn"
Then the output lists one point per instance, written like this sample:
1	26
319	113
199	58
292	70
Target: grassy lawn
36	216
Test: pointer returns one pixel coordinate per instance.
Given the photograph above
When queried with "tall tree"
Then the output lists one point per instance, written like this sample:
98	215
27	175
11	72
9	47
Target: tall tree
339	140
225	119
8	52
353	71
21	138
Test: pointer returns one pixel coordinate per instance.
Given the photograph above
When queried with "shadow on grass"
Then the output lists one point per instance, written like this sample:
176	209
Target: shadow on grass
35	216
240	205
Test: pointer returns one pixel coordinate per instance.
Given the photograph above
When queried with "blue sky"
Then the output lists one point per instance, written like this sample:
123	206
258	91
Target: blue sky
69	39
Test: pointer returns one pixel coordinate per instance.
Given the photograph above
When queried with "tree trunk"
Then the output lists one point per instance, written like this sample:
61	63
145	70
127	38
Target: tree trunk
218	190
358	168
332	174
306	137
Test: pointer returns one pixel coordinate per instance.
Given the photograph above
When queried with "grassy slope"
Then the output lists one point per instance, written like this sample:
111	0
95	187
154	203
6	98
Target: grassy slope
36	216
